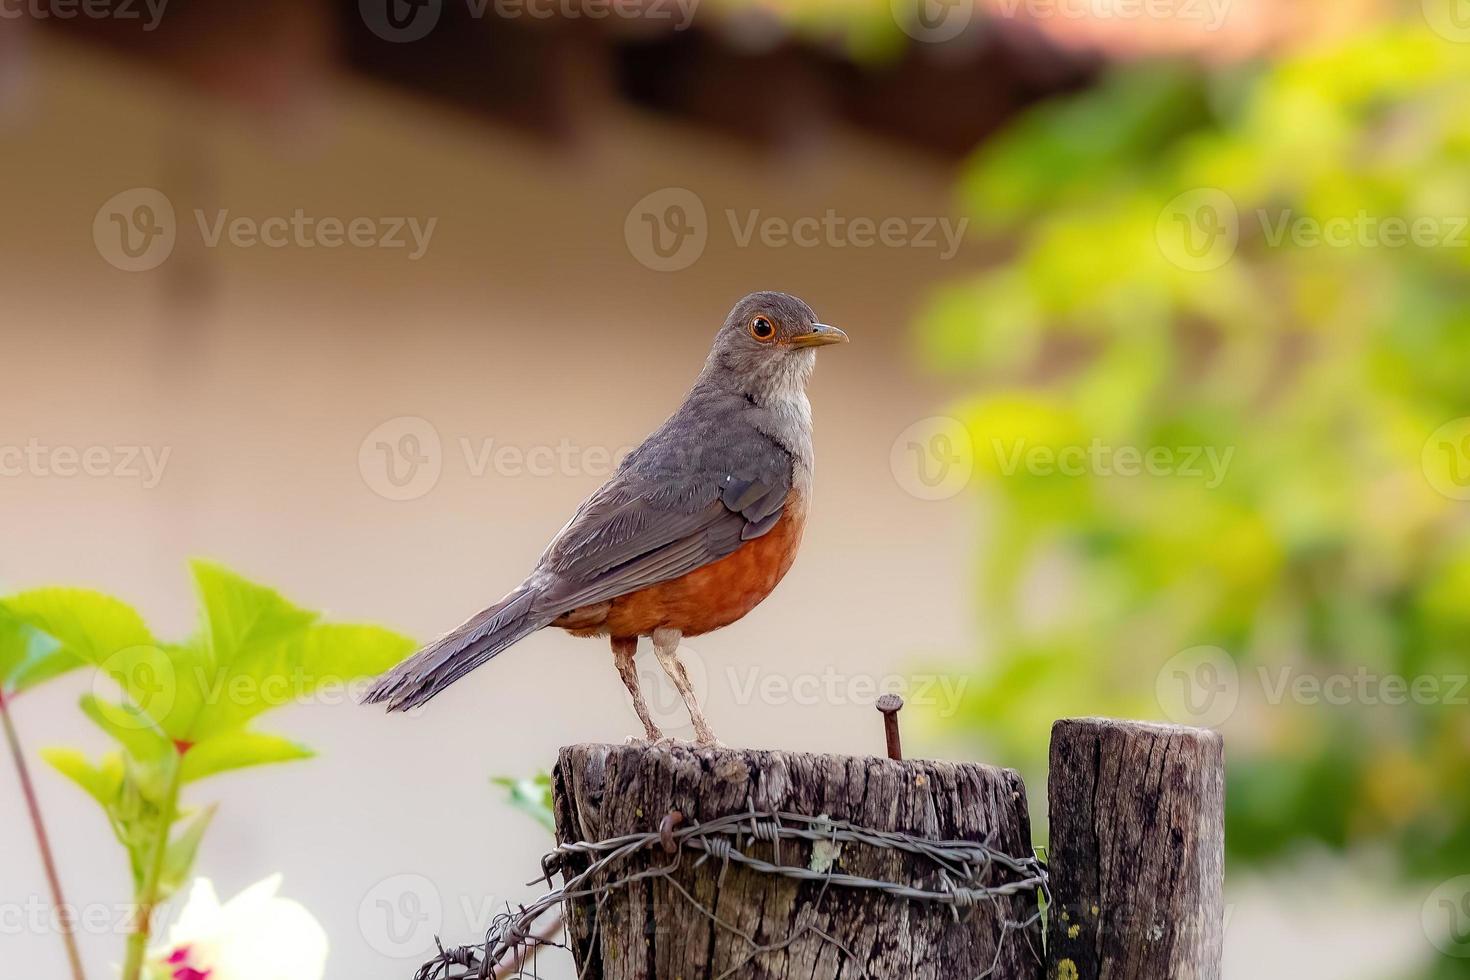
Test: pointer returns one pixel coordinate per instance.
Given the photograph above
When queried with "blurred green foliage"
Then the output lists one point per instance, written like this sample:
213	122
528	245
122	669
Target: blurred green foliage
185	708
531	795
1164	287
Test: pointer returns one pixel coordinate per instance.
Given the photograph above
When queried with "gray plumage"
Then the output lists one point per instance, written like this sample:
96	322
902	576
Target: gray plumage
716	474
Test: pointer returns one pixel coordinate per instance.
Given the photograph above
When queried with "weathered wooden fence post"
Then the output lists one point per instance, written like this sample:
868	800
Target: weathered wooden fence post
722	918
1136	853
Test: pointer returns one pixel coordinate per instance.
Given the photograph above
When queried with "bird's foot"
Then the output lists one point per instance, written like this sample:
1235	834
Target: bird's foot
703	737
670	742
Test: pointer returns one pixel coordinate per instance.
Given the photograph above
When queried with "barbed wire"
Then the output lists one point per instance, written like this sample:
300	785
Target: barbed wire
960	866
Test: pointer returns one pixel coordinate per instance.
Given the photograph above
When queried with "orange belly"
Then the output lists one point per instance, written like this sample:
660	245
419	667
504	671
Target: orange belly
707	598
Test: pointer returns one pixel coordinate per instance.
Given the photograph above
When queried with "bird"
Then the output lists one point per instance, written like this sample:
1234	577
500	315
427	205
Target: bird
693	530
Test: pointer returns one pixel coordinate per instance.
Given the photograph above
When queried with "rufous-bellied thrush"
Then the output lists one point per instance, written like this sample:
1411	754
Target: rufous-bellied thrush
695	528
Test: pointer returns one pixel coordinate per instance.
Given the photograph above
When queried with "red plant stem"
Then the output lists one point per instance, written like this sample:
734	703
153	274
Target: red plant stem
33	804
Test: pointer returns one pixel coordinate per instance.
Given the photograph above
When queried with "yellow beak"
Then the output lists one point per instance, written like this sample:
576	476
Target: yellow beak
821	335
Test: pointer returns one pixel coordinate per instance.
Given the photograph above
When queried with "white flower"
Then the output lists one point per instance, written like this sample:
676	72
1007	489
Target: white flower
253	936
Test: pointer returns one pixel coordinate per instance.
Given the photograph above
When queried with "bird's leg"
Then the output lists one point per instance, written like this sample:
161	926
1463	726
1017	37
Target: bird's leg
666	646
624	648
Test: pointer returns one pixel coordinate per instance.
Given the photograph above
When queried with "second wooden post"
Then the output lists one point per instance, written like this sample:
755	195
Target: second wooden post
1137	851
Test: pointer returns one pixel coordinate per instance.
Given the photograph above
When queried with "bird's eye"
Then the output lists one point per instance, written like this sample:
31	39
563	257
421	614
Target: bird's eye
762	329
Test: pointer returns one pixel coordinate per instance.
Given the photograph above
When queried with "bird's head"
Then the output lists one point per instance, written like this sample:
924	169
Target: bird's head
768	345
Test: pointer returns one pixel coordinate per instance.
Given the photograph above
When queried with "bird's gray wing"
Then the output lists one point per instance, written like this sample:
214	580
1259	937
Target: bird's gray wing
648	525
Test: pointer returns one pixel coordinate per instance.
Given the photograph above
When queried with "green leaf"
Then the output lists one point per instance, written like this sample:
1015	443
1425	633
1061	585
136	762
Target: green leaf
241	616
531	796
341	652
89	625
102	783
178	860
236	750
29	657
177	704
322	660
241	666
133	728
99	630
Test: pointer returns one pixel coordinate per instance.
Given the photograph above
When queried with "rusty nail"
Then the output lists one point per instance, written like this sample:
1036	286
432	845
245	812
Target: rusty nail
666	827
890	704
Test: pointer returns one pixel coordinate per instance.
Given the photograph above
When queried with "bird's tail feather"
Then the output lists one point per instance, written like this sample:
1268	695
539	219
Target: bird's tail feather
458	652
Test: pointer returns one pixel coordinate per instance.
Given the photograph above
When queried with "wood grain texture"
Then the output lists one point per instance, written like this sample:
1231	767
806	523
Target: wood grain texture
1137	850
649	930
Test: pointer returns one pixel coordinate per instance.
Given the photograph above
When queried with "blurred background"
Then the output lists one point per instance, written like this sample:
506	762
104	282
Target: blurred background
1157	406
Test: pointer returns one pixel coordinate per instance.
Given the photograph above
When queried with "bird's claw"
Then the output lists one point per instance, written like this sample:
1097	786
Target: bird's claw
671	742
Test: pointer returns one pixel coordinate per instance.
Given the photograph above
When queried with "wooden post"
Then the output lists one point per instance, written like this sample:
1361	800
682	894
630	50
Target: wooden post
1136	854
714	921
